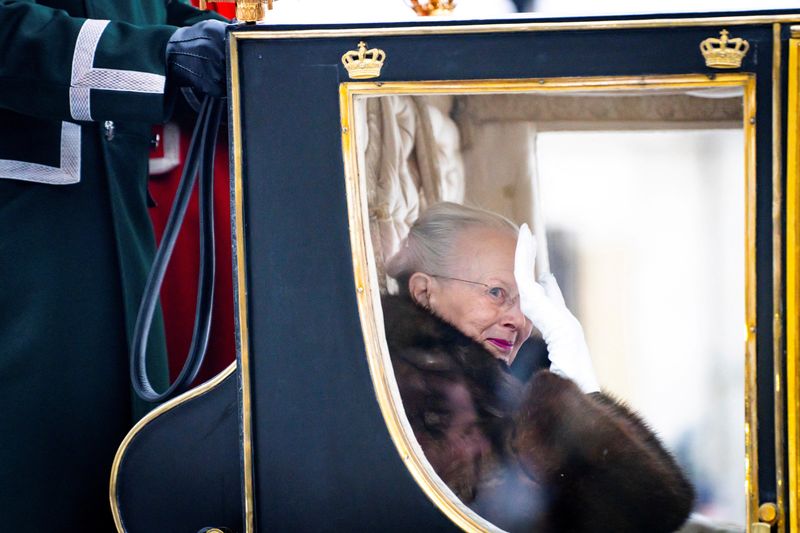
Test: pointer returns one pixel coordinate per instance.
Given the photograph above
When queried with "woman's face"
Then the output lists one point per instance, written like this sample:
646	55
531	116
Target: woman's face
483	302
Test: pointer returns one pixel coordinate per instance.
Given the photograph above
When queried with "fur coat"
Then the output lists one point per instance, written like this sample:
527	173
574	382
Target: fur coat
540	456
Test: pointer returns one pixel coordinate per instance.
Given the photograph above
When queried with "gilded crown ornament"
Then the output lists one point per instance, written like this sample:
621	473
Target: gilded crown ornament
251	10
724	52
363	64
430	8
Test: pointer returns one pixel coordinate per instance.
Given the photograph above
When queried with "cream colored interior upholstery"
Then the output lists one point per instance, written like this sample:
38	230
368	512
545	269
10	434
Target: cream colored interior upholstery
481	149
412	159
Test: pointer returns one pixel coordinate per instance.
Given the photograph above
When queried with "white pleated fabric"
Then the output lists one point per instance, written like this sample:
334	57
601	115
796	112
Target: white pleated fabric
409	152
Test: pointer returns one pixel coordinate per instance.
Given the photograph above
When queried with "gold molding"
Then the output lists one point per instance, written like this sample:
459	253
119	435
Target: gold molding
240	289
531	85
793	280
777	280
751	332
152	415
512	27
365	276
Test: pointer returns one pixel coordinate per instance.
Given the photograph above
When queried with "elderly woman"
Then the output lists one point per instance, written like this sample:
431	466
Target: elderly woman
550	455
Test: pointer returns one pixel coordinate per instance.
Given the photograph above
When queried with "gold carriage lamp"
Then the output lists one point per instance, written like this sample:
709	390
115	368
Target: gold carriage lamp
249	11
430	8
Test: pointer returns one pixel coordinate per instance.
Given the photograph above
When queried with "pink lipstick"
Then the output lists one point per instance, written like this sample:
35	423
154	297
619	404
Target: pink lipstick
502	344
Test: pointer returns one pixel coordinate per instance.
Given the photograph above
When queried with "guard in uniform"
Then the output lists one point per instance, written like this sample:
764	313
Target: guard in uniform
81	82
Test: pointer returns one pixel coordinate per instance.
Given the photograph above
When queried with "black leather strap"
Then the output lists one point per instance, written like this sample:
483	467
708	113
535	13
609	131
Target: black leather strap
200	157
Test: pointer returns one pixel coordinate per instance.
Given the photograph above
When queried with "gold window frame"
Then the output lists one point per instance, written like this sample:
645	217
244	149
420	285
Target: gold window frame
793	275
365	272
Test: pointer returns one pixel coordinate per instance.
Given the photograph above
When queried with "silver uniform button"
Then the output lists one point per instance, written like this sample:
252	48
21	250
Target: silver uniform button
109	126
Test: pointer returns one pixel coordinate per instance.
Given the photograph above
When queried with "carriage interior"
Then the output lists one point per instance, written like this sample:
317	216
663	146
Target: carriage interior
637	200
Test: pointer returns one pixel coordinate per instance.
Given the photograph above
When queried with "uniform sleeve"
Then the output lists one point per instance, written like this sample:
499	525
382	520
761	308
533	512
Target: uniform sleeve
60	67
598	462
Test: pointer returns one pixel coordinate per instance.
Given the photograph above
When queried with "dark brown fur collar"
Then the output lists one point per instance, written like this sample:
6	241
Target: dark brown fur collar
430	344
593	464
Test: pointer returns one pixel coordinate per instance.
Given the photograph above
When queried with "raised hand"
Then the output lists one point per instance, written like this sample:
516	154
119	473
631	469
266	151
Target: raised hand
543	304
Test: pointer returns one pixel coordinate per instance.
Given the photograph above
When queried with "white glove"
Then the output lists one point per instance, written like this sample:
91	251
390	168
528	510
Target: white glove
544	306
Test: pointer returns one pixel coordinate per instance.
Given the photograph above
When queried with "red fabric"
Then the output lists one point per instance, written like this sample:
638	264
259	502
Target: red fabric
226	8
179	292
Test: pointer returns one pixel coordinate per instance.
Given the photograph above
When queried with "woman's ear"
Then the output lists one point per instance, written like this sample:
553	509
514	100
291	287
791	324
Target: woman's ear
419	287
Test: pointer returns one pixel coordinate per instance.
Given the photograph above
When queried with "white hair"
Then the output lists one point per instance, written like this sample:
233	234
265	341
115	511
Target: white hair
429	245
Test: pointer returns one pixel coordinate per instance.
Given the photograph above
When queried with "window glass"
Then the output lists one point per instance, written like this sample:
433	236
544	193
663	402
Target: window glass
636	203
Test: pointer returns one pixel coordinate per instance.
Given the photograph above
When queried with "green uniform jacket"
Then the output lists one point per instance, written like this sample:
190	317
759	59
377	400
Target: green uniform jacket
81	82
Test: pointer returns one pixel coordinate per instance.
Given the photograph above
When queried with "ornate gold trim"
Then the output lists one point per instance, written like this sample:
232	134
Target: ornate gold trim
724	52
250	10
240	289
363	64
518	27
365	275
777	284
793	280
152	415
432	8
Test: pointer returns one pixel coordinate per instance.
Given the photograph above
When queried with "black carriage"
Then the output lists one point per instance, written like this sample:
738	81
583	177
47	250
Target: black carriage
307	431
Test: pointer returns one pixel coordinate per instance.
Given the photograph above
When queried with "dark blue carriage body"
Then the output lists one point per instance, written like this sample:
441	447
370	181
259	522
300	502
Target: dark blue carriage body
314	450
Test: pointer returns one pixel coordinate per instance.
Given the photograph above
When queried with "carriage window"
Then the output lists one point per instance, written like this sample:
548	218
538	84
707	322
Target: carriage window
637	201
653	249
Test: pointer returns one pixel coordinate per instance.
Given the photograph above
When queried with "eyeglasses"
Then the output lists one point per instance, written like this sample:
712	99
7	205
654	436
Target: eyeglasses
496	294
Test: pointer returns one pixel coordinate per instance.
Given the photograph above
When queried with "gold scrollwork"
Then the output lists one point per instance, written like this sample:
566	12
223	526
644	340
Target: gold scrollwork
251	11
432	8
